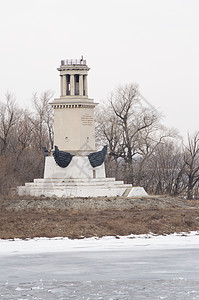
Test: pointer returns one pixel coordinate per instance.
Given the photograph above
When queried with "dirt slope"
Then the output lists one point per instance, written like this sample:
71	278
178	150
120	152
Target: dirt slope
85	217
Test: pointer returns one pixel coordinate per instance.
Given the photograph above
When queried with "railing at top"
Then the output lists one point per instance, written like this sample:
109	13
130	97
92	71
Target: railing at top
67	62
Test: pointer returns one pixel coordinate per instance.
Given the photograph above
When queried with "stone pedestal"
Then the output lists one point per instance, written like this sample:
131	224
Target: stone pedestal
79	179
79	168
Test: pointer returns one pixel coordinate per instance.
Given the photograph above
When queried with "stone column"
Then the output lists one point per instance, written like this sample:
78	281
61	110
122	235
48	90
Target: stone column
61	85
85	85
81	85
72	85
64	85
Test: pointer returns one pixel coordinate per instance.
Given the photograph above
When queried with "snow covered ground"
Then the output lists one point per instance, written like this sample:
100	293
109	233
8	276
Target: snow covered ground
131	242
110	268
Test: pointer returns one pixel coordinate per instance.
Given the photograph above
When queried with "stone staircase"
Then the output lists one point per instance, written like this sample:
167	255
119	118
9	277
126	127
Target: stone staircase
65	187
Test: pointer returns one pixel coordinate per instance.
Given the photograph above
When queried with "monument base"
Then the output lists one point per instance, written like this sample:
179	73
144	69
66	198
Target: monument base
78	179
79	167
63	187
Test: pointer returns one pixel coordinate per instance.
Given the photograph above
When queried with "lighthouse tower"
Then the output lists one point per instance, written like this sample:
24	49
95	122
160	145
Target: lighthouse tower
74	126
74	168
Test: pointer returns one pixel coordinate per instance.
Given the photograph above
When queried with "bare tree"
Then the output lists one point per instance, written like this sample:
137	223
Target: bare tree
9	115
108	132
191	159
150	138
43	120
131	130
23	137
165	169
122	103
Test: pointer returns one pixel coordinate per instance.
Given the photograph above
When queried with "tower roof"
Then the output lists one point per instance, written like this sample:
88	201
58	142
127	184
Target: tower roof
70	62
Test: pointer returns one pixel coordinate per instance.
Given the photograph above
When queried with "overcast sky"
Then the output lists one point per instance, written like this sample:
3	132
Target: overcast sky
154	43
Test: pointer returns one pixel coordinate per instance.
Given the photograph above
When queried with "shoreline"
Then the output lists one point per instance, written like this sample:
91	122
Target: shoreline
107	243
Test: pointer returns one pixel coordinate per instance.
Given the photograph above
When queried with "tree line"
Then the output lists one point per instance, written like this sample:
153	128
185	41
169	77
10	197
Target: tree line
23	132
141	150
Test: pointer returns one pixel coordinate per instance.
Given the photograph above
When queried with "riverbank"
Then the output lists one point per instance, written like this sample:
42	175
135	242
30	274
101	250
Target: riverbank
87	217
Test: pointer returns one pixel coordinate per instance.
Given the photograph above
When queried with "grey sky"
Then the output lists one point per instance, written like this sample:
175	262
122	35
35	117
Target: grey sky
151	42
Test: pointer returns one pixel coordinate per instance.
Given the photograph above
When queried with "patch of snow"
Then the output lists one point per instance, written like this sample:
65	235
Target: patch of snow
108	243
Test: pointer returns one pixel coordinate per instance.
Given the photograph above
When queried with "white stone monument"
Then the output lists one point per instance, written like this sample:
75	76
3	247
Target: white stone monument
74	168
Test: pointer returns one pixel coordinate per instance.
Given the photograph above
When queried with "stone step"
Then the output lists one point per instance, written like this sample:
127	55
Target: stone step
72	184
69	191
75	180
93	188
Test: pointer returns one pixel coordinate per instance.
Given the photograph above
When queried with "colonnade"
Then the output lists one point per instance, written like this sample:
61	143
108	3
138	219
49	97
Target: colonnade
72	84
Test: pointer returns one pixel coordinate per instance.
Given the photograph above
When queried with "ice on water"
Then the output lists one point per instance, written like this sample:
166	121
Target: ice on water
177	289
138	268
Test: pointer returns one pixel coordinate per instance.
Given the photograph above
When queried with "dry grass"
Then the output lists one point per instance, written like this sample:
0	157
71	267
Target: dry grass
157	215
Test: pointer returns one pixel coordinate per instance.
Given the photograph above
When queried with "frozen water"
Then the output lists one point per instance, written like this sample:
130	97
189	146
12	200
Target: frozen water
176	289
144	267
